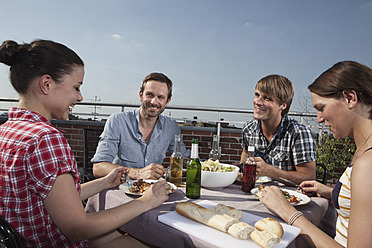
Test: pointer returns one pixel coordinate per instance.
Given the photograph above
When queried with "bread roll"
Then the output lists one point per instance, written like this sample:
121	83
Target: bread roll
270	225
240	230
205	216
265	239
231	211
221	222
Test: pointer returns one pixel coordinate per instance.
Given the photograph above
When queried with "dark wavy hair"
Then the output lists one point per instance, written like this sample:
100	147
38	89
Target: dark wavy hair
40	57
345	75
159	77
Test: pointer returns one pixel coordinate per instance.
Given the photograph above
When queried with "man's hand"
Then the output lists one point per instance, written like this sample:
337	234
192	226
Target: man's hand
262	168
152	171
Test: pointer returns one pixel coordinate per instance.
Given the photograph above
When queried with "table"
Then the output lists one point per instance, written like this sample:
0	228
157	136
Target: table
147	228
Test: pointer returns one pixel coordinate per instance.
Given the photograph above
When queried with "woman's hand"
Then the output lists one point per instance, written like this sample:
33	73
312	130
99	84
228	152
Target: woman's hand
314	187
156	194
115	177
273	198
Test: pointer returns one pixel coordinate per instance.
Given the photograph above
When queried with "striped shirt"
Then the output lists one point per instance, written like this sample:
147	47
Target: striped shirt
292	144
341	197
32	154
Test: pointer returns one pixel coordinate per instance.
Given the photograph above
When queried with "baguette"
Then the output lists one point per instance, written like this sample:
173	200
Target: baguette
205	216
224	209
265	239
240	230
270	225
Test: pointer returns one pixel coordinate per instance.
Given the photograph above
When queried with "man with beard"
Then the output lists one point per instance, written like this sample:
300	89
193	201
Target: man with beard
283	147
139	139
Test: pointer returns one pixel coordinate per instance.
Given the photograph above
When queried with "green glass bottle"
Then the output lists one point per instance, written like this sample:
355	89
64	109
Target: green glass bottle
193	178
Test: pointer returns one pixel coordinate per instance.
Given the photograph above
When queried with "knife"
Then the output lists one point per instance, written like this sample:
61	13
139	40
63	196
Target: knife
290	182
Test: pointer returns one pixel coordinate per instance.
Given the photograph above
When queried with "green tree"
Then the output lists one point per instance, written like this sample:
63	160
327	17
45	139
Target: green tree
335	154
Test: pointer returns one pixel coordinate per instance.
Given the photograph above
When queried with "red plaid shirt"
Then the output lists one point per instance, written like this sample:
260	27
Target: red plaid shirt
32	154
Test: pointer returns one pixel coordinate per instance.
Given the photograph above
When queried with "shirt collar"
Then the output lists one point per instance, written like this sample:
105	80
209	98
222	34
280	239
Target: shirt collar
282	124
21	114
26	115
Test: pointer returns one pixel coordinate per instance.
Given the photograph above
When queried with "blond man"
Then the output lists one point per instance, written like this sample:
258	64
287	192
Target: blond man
283	147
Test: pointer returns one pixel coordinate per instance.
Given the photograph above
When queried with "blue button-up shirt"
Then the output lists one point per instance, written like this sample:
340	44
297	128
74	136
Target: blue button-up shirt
121	141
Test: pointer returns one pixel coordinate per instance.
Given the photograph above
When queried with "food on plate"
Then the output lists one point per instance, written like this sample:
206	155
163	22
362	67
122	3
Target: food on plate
291	198
231	211
288	196
263	179
205	216
260	190
270	225
240	230
265	239
139	186
216	166
239	177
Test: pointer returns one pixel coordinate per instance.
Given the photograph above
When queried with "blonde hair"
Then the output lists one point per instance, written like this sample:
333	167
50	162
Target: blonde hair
279	88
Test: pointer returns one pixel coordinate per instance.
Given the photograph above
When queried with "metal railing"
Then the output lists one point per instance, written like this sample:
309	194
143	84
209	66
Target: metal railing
122	107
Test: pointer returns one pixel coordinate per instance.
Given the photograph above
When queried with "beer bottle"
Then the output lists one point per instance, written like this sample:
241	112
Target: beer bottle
215	154
176	163
193	177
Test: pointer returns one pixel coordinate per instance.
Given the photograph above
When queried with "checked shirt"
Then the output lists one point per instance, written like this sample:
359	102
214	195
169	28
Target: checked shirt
293	143
32	154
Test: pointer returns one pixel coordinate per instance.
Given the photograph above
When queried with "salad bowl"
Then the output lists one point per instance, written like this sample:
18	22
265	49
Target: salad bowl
218	175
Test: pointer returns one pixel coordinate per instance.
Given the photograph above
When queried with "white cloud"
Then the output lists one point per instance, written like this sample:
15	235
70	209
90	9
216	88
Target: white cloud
117	36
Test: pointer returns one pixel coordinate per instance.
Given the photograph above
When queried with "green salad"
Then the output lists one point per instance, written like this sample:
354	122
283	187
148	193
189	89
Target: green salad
215	166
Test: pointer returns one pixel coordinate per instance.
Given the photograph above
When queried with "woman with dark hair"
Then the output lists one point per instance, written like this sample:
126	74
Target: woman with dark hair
342	97
41	195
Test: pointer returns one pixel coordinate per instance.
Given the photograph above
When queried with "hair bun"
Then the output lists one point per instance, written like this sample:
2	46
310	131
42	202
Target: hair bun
9	51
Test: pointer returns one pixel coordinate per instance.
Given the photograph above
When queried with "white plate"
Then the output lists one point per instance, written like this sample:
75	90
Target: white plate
221	239
304	199
263	179
124	187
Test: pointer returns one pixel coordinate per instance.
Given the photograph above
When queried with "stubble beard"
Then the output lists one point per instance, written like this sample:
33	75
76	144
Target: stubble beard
151	113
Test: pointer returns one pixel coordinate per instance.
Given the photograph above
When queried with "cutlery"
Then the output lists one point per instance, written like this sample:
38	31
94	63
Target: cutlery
128	181
290	182
166	173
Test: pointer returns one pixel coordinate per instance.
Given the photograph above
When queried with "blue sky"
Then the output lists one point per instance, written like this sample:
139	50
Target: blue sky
214	51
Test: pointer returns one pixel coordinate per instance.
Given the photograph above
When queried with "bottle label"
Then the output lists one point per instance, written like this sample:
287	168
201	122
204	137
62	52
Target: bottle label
194	151
250	148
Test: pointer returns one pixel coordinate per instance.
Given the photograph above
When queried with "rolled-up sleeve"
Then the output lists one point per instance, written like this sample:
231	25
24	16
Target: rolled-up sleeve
108	143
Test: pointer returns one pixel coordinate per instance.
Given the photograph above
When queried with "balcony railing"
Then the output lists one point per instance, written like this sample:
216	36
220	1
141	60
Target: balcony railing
233	116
